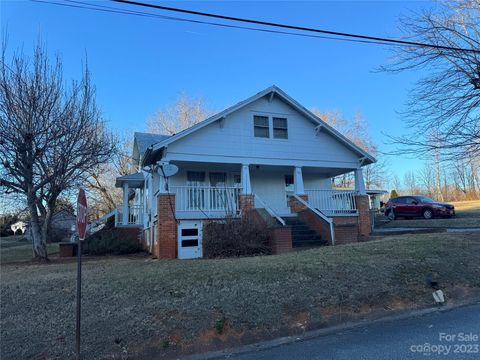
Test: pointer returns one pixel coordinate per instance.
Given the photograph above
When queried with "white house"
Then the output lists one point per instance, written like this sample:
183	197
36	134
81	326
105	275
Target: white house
266	152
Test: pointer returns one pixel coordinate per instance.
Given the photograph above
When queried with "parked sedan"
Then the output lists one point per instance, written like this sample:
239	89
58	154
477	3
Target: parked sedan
417	206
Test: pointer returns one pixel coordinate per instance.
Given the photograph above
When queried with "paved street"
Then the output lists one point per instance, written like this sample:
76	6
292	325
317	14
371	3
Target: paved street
413	338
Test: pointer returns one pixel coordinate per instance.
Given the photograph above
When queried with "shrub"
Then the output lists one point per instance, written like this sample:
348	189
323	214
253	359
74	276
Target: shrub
109	242
235	237
58	235
5	231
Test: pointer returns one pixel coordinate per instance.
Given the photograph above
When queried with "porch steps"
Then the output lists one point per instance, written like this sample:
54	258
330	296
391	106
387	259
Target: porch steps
302	235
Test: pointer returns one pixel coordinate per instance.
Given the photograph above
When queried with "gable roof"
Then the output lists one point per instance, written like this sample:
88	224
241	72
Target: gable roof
145	140
152	152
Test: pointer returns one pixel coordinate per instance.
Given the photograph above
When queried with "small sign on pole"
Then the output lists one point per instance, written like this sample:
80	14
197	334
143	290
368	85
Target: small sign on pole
82	211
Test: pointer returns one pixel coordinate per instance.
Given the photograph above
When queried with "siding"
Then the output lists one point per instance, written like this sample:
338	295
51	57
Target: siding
234	142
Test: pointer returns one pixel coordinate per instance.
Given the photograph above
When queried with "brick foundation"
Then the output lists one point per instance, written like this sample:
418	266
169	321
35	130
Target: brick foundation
316	223
280	236
246	203
364	221
167	227
346	229
295	205
281	239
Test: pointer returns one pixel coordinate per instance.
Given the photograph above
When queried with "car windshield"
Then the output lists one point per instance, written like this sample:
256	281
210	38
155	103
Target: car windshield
425	199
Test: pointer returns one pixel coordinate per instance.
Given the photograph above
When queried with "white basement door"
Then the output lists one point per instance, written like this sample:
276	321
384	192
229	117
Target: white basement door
190	240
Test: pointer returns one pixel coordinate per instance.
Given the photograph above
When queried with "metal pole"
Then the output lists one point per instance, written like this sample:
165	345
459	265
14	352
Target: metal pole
79	289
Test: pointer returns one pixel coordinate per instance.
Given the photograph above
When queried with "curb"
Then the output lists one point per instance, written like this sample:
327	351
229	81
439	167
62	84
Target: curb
269	344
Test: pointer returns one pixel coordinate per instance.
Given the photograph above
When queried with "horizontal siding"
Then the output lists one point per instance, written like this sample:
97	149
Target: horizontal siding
234	139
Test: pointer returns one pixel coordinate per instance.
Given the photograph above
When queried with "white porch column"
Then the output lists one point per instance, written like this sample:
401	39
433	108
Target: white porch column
125	204
245	177
298	181
359	182
162	184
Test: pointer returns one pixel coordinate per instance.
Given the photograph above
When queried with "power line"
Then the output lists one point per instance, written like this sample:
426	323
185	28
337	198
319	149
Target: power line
293	27
110	9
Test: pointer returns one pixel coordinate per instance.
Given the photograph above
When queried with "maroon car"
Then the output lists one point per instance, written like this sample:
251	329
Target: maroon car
417	206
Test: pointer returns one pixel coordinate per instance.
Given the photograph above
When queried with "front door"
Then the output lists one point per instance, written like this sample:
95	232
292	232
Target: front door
289	187
190	240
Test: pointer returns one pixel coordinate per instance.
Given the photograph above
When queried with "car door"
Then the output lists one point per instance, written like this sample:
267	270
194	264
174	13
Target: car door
411	207
399	206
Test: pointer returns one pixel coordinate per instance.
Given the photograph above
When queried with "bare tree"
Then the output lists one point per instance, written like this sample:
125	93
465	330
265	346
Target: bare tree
184	113
376	175
444	104
104	196
410	183
51	135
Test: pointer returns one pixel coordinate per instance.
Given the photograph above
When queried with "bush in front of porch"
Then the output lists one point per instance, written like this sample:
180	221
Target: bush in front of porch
234	238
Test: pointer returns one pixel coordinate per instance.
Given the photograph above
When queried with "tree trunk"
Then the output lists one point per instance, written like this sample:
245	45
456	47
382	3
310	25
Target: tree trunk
39	244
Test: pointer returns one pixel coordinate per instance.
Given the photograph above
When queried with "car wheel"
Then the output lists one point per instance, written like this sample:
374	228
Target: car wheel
427	214
391	215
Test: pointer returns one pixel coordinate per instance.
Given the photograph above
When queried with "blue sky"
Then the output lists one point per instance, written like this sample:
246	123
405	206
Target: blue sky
140	64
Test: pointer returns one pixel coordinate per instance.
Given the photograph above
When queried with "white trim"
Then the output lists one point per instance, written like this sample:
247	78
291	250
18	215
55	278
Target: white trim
277	91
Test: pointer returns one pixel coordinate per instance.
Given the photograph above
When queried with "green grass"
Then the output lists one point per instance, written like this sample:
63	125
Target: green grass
467	216
133	305
17	248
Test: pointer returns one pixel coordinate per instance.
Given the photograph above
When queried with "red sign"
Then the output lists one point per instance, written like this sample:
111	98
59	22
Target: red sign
81	214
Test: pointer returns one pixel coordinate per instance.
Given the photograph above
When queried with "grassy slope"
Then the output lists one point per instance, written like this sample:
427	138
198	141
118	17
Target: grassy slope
467	216
16	248
141	302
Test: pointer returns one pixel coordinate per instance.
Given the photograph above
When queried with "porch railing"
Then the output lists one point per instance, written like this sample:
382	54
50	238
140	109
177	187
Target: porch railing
134	216
206	199
333	202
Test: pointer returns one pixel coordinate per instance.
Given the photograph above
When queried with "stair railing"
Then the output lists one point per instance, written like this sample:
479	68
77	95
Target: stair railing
319	214
269	210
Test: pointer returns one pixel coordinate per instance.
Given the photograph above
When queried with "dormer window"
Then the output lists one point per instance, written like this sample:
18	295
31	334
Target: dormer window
280	130
261	126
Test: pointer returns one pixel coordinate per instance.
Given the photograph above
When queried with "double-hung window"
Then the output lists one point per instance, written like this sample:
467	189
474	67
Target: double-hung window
270	127
261	126
280	130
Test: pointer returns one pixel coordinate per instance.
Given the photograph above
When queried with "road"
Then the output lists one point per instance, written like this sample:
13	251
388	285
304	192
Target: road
448	334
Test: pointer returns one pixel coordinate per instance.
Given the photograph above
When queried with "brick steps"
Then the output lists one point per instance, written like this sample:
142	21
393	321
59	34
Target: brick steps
302	235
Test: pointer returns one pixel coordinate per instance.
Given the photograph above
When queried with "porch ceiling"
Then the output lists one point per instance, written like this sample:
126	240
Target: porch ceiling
324	171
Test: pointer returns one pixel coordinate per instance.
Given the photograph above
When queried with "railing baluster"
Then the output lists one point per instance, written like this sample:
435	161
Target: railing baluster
333	201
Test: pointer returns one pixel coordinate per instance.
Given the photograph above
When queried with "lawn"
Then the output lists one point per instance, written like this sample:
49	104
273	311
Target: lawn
467	216
17	248
140	307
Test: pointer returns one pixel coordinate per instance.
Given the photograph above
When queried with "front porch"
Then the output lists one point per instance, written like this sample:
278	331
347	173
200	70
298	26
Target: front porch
212	190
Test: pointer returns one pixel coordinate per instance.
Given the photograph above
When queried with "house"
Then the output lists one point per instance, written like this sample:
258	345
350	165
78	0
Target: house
62	226
19	225
266	156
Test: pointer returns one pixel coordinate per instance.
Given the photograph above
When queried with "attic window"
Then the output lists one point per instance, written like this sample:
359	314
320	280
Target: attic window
260	126
280	130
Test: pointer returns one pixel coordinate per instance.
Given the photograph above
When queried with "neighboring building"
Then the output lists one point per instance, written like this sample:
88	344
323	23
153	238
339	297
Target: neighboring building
22	225
265	155
61	228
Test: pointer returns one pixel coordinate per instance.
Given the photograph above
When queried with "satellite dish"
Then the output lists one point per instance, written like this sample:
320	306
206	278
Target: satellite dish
167	170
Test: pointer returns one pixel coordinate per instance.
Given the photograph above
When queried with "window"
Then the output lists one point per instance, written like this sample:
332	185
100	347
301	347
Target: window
400	200
261	127
217	178
280	130
195	177
196	191
289	180
411	201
